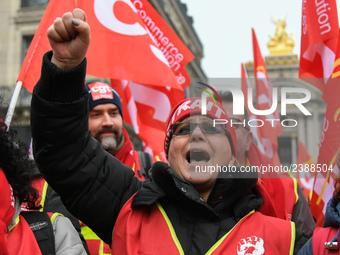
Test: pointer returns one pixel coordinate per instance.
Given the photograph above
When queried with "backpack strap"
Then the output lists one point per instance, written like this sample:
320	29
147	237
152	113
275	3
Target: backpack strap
145	160
41	225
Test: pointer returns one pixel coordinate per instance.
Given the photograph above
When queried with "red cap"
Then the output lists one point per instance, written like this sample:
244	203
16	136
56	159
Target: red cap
191	106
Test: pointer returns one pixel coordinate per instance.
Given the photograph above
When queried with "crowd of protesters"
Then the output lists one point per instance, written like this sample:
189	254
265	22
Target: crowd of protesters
124	202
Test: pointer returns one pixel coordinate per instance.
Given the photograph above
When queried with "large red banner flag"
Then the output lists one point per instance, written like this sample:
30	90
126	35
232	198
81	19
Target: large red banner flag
265	102
31	67
147	109
304	176
174	50
244	87
253	128
329	145
121	45
319	35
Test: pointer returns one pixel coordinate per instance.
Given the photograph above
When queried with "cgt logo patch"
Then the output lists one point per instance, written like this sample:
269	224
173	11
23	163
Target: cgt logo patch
38	225
100	90
252	245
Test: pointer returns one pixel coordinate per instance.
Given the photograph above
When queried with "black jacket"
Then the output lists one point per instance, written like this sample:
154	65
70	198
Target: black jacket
332	219
94	185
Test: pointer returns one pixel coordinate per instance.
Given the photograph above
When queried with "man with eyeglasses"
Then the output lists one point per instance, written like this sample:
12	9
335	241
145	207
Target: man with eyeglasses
286	194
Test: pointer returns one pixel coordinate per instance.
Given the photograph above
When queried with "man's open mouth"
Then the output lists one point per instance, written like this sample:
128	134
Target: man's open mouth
197	156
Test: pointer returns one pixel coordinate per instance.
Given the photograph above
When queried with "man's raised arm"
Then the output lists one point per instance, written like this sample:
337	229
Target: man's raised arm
92	183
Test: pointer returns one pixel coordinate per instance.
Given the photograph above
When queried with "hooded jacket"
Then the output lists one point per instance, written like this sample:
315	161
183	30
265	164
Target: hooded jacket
329	233
94	185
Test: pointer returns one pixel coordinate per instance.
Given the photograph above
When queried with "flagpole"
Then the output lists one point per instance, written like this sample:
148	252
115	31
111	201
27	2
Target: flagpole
12	104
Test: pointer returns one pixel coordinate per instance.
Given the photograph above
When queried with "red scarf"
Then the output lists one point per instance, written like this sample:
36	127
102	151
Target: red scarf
7	211
128	156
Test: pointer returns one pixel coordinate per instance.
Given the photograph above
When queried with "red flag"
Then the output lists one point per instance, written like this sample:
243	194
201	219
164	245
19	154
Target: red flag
147	109
31	67
329	145
253	128
244	87
121	46
305	177
264	101
319	35
175	51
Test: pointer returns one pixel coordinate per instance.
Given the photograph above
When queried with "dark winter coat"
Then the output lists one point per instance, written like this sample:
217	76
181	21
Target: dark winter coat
94	185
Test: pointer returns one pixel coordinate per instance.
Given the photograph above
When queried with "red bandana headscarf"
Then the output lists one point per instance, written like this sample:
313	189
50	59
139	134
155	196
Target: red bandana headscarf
191	106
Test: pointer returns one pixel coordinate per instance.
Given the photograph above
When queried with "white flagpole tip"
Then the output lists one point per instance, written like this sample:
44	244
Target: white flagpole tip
12	104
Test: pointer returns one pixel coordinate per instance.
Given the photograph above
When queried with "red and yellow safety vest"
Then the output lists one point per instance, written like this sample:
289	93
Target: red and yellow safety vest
94	243
21	239
291	195
150	232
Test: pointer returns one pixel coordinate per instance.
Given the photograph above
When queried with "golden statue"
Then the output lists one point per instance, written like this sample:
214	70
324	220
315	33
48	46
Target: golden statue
280	43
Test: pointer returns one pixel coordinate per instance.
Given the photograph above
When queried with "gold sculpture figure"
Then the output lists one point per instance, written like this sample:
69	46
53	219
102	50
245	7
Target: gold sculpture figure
280	43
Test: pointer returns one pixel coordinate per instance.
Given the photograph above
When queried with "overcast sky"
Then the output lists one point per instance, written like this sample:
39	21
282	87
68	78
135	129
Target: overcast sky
224	28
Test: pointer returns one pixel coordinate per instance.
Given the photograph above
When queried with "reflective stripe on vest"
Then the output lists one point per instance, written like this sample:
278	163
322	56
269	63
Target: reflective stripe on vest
21	239
43	196
95	245
53	216
291	195
171	228
148	230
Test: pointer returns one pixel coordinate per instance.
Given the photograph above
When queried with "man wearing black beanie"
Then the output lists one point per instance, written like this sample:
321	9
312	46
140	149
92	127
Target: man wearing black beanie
105	118
106	126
